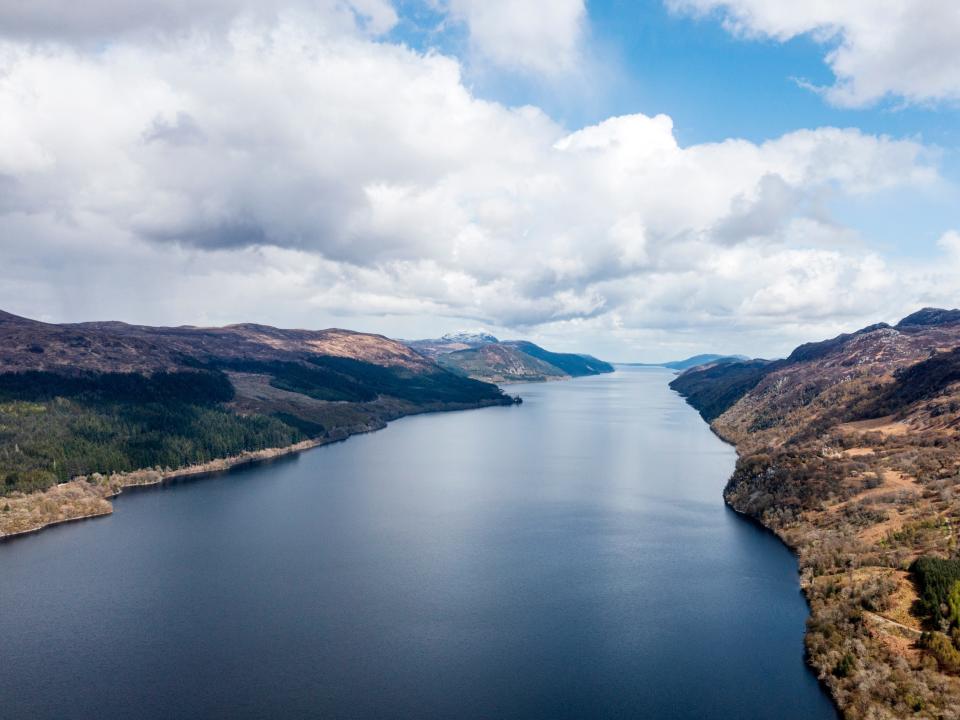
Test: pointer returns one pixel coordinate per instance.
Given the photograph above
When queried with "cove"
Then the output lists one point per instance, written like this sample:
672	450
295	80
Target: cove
568	558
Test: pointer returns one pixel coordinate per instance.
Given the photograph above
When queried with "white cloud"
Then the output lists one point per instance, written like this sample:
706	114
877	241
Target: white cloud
949	242
289	174
531	36
877	48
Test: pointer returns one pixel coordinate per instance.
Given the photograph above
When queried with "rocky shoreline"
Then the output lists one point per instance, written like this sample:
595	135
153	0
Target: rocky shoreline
853	552
804	576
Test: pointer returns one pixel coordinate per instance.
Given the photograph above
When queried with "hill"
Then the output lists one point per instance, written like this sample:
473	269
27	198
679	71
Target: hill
452	342
713	389
109	399
481	356
694	361
500	363
850	451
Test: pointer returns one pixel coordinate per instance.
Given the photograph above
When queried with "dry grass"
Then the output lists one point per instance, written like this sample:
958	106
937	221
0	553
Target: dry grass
88	497
858	501
902	600
884	425
22	513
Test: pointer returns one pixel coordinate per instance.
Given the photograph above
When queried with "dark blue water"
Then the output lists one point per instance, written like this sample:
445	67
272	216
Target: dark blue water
568	558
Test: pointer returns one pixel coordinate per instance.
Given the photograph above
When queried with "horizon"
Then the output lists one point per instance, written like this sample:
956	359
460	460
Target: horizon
650	182
478	331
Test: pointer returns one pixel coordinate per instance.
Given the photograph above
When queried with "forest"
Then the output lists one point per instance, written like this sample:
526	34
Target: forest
58	425
55	427
343	379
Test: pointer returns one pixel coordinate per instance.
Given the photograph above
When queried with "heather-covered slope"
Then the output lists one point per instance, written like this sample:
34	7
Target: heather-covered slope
98	399
571	364
119	347
483	357
500	363
850	451
713	390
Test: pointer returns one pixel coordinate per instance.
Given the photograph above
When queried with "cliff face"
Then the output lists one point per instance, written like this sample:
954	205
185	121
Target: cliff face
850	451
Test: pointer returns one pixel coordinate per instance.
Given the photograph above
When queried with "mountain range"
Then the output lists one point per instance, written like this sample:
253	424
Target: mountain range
482	356
849	449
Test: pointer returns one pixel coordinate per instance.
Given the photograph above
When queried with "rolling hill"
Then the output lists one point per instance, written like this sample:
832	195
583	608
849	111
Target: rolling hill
108	399
481	356
850	451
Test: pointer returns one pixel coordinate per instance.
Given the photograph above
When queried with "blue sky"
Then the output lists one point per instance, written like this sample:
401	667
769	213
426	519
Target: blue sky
649	59
641	57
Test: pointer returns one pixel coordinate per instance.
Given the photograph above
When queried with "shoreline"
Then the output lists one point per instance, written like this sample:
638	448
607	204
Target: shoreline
114	485
803	581
98	490
804	584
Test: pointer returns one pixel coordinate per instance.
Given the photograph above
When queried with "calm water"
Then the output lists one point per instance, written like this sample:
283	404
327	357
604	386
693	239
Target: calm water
568	558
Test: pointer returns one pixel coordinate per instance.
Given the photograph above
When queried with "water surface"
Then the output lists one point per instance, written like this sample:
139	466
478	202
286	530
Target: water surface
567	558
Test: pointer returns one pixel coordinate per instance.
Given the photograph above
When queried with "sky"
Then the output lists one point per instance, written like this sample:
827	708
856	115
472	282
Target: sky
638	179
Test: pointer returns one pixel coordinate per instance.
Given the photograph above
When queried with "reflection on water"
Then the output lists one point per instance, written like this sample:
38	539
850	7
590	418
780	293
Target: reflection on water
567	558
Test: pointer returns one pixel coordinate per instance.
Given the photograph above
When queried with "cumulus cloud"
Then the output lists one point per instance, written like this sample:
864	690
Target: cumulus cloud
525	35
286	173
903	48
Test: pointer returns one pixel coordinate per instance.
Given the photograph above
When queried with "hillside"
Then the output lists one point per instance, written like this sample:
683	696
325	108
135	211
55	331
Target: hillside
452	342
713	389
481	356
694	361
850	451
106	399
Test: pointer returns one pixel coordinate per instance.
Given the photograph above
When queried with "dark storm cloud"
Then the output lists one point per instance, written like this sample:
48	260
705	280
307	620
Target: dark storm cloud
231	233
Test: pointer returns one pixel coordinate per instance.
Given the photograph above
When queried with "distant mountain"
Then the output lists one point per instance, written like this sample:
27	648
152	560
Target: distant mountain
695	361
481	356
452	342
467	337
573	364
497	362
